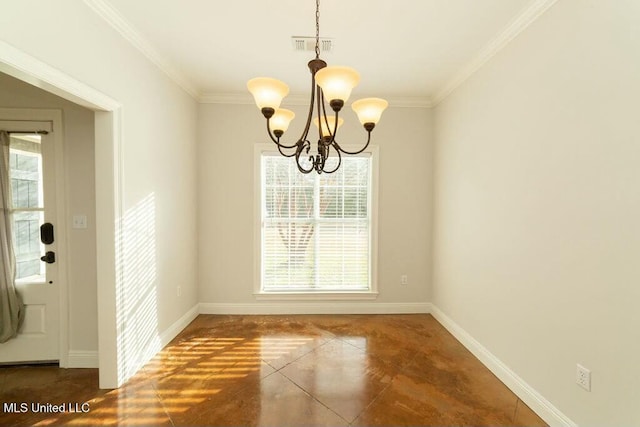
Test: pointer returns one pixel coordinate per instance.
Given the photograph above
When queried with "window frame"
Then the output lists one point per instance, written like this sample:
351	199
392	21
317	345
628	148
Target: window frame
259	293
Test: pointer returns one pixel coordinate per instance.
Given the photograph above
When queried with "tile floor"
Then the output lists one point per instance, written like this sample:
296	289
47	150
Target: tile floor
337	370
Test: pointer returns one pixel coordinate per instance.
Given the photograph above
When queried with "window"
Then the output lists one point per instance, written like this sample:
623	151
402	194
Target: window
316	230
25	166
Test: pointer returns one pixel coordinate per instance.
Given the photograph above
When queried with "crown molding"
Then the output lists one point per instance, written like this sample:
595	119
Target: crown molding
247	99
410	101
110	15
225	98
528	16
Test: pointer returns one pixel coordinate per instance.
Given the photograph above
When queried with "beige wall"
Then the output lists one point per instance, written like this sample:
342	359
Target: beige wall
157	142
80	188
537	207
227	135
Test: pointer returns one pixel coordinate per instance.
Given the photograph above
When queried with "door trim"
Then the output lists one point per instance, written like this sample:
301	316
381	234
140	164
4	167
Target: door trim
57	134
109	176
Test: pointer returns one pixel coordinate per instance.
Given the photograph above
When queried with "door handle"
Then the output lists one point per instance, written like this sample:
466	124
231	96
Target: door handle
49	257
46	233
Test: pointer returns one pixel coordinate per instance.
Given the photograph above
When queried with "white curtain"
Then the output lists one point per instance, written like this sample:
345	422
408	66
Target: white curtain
11	307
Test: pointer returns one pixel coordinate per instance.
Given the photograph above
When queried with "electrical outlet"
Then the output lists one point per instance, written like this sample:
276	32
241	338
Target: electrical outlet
179	291
583	377
404	280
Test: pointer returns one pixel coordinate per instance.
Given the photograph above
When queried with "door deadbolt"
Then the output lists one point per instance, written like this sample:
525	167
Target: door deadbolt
46	233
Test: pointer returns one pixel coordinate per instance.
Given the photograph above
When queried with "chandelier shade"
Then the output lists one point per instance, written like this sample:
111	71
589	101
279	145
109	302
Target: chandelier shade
337	82
281	119
329	85
267	92
369	110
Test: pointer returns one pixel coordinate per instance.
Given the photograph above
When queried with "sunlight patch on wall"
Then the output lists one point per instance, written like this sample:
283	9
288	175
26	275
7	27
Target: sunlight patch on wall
137	317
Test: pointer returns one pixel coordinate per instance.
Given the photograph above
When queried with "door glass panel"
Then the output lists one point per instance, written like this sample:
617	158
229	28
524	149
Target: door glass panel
28	207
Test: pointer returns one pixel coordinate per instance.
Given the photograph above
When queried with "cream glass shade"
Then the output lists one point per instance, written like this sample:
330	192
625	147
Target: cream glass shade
267	92
281	119
332	122
369	110
337	82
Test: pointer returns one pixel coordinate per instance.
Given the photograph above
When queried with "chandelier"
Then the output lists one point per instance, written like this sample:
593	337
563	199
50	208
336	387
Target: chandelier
332	84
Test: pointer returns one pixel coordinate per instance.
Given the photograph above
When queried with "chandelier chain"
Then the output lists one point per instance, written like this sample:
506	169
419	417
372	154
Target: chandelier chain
317	29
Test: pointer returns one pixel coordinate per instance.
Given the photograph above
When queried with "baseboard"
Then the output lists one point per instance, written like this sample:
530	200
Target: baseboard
172	331
163	338
326	307
89	359
82	359
524	391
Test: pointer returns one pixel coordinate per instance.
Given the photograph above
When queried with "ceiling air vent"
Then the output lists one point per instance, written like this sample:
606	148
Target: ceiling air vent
308	44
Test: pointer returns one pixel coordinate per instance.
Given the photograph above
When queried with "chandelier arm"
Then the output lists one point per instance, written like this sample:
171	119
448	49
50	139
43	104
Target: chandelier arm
322	159
335	128
281	152
320	107
277	141
339	160
307	125
355	152
326	121
297	155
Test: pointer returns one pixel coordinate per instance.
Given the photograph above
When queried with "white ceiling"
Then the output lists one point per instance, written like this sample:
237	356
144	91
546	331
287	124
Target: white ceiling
402	48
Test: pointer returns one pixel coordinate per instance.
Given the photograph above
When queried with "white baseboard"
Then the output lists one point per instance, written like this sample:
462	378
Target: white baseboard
172	331
82	359
89	359
302	307
524	391
163	338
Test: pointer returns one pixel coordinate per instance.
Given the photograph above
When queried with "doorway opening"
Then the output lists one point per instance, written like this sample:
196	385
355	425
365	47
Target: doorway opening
107	186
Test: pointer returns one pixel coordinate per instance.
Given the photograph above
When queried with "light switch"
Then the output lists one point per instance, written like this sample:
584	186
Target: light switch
79	221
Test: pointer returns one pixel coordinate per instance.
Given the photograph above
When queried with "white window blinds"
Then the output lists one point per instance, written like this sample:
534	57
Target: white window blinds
316	229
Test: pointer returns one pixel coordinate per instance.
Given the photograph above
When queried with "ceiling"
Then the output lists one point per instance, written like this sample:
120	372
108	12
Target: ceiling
402	48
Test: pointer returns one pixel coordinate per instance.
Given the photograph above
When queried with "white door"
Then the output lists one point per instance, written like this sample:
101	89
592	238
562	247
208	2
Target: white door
32	170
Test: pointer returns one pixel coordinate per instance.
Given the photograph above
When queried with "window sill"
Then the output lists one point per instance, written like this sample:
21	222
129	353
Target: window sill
315	296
